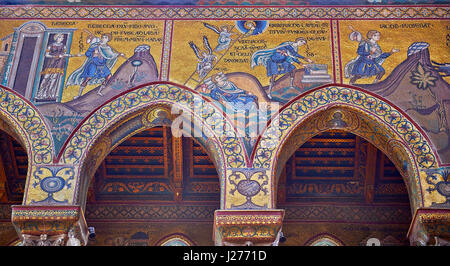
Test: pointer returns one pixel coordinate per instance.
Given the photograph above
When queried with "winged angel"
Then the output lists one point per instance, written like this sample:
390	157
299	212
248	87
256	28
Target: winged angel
205	58
224	40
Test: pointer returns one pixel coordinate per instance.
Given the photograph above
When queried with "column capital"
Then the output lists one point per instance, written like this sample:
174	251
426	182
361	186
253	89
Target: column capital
247	227
430	227
49	225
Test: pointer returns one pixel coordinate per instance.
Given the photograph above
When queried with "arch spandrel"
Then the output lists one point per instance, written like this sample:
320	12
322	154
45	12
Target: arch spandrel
224	144
403	137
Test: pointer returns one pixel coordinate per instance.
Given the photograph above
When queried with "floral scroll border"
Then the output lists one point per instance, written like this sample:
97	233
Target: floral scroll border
267	149
301	108
212	118
29	124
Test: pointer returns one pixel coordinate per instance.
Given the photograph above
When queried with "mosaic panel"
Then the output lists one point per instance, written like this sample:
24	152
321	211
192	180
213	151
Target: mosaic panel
70	73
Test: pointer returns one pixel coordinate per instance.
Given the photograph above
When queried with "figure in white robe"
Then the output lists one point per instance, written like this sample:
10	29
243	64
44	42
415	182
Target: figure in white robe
205	58
53	70
224	40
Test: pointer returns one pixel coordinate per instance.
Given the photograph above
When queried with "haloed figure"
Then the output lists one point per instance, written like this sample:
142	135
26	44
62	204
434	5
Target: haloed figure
53	69
224	40
97	67
369	60
250	27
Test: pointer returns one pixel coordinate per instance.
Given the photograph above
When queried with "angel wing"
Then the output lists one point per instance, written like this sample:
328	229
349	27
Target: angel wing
211	27
206	44
195	48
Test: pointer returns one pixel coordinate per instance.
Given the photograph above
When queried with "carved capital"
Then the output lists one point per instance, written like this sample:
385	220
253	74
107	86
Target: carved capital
430	227
49	225
247	227
43	240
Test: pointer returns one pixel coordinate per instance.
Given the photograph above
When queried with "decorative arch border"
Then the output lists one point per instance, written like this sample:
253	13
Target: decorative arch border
122	130
176	236
213	119
269	145
355	122
324	236
229	146
29	124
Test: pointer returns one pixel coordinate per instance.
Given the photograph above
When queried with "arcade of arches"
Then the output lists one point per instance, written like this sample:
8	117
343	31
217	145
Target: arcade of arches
171	126
336	183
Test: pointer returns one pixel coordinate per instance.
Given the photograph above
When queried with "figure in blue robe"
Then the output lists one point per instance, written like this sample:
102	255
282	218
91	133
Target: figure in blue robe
279	60
96	69
369	60
226	91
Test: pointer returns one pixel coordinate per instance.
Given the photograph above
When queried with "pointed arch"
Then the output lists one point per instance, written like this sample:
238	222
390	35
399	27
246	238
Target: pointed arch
176	239
129	112
324	239
368	115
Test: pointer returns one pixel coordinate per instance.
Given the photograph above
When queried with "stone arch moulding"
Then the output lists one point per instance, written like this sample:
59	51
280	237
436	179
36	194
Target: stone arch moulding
324	239
403	138
26	124
354	121
179	237
91	139
16	242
